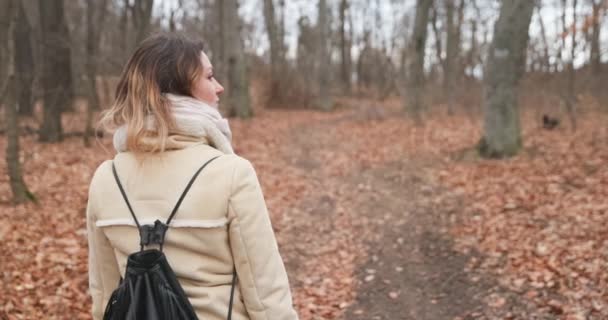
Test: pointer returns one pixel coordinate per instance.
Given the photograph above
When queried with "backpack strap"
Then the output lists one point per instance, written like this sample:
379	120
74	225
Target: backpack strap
124	195
156	233
181	198
232	294
173	212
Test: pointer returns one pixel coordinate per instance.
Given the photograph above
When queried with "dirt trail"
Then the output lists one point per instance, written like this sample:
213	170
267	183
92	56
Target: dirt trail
406	268
412	272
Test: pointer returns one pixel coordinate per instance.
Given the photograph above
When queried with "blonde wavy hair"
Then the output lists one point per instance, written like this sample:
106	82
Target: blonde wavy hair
163	63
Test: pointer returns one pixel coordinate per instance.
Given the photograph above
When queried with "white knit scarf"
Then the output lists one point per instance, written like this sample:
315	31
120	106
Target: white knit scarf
192	118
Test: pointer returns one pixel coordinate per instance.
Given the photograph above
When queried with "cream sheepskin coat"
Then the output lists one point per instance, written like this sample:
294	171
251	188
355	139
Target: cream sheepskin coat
222	223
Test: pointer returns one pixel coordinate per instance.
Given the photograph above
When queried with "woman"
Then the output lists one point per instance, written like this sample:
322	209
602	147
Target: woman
167	125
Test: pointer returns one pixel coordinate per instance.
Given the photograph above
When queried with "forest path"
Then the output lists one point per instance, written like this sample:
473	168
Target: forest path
372	242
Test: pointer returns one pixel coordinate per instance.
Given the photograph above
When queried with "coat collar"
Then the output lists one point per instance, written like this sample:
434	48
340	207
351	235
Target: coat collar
174	142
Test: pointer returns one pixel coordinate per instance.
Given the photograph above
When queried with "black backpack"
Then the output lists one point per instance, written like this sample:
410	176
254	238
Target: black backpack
150	289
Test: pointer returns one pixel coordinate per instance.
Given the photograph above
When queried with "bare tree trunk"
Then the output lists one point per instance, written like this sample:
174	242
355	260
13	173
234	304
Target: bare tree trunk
324	100
173	11
6	25
9	91
351	37
473	47
96	12
345	47
124	27
211	30
570	98
416	60
56	72
32	13
141	12
474	55
273	38
505	66
24	63
450	51
277	59
305	52
543	35
219	45
437	34
233	59
364	62
459	27
282	29
595	53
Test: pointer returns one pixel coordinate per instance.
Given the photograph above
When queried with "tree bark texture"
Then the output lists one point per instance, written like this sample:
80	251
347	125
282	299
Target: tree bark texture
233	59
24	63
272	29
142	16
96	11
596	27
570	89
505	66
9	93
454	17
56	71
345	46
416	60
324	57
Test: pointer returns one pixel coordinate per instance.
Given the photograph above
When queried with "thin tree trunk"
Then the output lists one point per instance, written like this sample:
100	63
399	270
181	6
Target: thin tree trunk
212	32
56	69
24	63
6	11
595	53
458	63
351	37
273	38
305	53
9	93
172	25
32	13
324	100
282	29
142	16
219	45
277	61
416	60
237	89
95	18
472	55
505	66
345	60
18	187
543	35
450	54
571	99
568	97
124	27
437	34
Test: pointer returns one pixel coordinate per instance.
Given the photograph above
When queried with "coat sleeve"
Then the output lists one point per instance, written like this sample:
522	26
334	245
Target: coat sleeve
103	268
261	273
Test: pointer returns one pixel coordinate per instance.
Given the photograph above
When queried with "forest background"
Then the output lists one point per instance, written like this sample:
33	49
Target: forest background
458	147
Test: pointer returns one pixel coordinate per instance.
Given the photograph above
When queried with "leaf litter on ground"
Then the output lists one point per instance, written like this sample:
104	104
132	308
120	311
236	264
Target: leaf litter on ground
538	218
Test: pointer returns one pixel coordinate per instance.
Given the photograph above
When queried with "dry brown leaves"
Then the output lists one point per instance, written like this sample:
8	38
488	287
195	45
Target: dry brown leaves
44	261
539	218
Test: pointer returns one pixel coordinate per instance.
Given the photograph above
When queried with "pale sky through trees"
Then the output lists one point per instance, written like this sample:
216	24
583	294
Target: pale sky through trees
393	12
